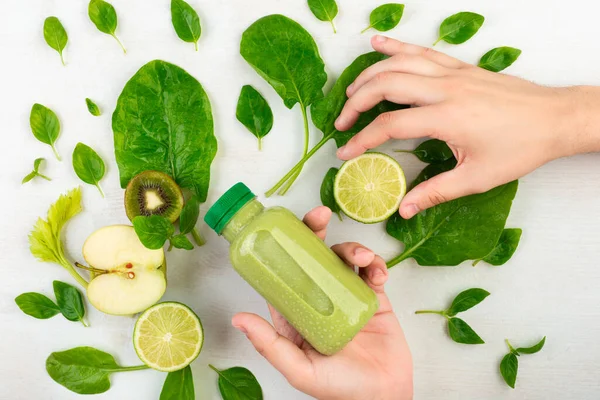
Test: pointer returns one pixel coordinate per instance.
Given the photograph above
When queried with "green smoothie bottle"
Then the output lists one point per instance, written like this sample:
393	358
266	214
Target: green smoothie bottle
284	261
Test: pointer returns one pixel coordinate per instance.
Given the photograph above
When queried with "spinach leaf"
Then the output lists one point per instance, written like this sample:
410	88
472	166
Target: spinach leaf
84	370
238	383
499	59
163	122
504	249
179	385
37	305
324	10
509	367
385	17
186	22
327	197
181	242
88	165
189	215
254	113
104	16
431	151
153	231
69	301
93	108
36	171
45	126
56	36
533	349
460	27
287	57
466	300
461	332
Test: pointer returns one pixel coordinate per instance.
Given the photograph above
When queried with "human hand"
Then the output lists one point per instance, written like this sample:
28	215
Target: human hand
375	365
499	127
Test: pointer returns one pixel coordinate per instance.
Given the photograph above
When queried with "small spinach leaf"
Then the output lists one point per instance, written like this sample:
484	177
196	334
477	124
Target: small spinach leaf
509	367
35	172
189	215
56	36
37	305
432	151
104	16
466	300
460	27
385	17
186	22
254	113
461	332
69	301
179	385
153	231
324	10
499	59
533	349
88	165
45	126
93	108
238	383
181	242
504	249
327	197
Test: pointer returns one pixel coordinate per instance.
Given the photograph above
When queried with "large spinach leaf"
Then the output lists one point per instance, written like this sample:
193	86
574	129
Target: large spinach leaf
163	122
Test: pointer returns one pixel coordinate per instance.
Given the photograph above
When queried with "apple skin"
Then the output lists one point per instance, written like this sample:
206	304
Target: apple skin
135	277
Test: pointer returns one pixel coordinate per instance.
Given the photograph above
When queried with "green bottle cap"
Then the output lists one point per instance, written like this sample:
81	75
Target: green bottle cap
225	208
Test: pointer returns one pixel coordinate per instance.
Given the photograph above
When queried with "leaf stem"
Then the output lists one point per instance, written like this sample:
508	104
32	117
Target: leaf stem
170	246
259	144
509	346
437	41
43	176
91	269
100	189
291	181
62	59
120	44
56	152
366	29
74	273
398	259
196	45
84	323
404	151
218	371
443	313
200	241
333	26
339	214
475	262
134	368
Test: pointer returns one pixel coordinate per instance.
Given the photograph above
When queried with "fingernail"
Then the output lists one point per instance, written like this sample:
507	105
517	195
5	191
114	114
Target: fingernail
349	89
380	39
342	152
241	329
339	121
361	250
376	273
411	210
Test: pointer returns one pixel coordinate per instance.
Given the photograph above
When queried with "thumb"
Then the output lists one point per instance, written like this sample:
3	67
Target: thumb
439	189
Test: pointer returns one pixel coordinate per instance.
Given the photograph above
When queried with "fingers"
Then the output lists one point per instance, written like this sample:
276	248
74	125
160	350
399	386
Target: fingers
392	47
373	269
317	220
286	357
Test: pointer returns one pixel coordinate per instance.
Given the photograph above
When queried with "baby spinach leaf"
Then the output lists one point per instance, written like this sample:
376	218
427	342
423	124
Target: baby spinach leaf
509	367
324	10
533	349
84	370
179	385
254	113
45	126
56	36
104	16
431	151
93	108
35	172
186	22
69	301
88	165
499	59
504	249
385	17
461	332
181	242
460	27
189	215
327	197
238	383
466	300
153	231
163	122
37	305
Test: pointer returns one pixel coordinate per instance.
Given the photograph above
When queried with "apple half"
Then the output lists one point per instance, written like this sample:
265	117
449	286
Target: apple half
135	276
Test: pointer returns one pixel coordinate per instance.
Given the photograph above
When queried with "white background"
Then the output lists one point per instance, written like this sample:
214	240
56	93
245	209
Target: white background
551	286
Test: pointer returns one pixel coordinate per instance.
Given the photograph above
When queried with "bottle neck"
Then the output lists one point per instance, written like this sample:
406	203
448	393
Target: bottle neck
241	219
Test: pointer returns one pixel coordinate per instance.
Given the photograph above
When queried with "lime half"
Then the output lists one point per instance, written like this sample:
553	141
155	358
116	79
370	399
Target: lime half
168	336
370	187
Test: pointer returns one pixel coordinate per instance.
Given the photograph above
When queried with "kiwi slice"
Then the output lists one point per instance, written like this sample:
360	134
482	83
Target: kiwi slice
153	193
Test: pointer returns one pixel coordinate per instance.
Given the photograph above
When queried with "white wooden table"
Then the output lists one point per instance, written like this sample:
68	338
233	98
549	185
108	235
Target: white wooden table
551	287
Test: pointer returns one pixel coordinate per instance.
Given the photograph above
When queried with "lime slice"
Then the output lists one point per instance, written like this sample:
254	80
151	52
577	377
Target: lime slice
370	187
168	336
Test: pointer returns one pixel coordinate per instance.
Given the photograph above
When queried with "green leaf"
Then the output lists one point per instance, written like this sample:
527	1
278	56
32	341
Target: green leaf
88	165
254	113
432	170
179	385
28	177
153	231
465	300
172	132
508	368
104	16
93	107
181	242
56	36
533	349
431	151
460	27
36	171
461	332
189	215
324	10
499	59
504	249
84	370
36	164
385	17
238	383
45	126
69	301
37	305
186	22
327	197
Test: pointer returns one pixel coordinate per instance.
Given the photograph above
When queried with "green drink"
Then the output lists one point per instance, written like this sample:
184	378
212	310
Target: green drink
284	261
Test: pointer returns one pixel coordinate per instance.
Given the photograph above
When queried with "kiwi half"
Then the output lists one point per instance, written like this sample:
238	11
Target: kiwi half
153	193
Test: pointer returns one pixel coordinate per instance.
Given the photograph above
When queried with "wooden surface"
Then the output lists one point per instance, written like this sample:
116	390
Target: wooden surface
551	287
